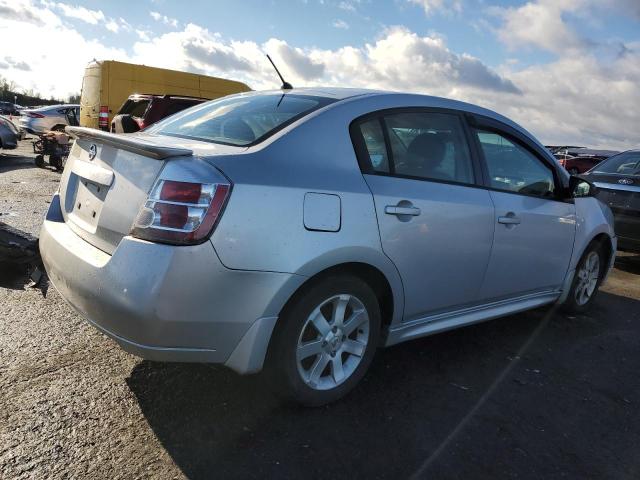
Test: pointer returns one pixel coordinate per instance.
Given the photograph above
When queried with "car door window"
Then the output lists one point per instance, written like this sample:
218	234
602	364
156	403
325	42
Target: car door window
429	145
513	168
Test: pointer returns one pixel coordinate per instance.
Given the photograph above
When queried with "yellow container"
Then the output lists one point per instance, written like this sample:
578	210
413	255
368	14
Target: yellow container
107	84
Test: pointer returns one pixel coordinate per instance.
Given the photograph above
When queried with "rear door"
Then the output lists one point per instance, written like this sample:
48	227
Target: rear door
534	228
435	224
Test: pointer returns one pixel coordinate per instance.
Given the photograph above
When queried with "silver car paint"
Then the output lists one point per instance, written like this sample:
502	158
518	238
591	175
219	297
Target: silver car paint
52	118
228	298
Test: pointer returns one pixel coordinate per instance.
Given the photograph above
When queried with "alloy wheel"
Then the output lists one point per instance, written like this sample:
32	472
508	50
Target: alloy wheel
332	342
588	276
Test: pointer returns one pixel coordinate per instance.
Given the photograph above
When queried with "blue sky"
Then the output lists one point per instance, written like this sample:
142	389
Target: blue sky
568	70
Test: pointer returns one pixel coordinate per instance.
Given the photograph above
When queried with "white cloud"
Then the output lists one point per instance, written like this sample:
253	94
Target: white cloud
172	22
81	13
349	7
112	26
340	24
431	6
540	24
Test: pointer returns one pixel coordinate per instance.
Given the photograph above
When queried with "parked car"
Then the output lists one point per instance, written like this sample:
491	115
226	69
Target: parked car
107	85
618	183
9	134
301	229
52	117
8	108
140	111
577	164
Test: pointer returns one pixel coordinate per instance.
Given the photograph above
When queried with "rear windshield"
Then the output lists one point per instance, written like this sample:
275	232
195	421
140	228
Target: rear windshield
135	108
627	163
240	120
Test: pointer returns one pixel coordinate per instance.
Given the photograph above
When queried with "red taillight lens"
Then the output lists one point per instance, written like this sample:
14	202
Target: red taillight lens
181	212
103	117
34	115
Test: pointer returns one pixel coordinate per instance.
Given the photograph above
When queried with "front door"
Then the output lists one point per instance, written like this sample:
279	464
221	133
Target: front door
534	229
435	224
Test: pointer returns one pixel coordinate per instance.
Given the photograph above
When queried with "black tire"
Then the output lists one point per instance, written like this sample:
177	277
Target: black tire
40	161
282	363
572	304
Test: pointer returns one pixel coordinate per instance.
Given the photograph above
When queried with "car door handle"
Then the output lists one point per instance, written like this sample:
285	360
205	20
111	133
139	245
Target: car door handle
509	219
395	210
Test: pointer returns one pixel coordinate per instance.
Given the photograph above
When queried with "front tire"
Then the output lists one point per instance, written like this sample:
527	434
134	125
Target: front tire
325	341
587	280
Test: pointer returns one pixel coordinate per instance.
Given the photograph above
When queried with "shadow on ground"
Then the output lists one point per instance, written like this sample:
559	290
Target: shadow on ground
566	408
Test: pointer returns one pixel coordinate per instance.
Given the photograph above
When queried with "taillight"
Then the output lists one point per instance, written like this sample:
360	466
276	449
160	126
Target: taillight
103	117
34	115
140	122
563	162
181	212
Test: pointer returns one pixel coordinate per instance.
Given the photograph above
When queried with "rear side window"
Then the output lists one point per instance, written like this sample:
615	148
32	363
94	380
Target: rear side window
135	108
241	120
513	168
425	145
376	148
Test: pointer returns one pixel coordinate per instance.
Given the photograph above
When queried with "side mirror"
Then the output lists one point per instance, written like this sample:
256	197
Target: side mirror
579	187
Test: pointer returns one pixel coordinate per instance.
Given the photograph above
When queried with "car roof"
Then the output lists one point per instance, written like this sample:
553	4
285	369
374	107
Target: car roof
341	93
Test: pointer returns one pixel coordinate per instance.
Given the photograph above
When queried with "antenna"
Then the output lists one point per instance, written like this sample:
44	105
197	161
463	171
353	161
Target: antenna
285	85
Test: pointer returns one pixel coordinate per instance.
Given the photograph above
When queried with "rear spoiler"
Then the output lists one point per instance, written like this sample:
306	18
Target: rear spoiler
128	142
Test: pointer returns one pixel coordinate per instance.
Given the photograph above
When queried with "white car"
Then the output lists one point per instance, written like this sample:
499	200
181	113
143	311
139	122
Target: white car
54	117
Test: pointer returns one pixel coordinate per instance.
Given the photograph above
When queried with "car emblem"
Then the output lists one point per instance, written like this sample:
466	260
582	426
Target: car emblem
625	181
93	151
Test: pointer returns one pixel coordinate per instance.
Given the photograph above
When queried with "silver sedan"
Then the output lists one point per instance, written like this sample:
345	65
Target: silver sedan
53	117
299	230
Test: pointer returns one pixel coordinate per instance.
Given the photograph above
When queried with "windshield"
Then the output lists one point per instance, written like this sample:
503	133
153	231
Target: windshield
240	120
627	163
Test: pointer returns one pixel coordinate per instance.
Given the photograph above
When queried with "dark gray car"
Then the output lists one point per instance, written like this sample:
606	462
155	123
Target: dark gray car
9	134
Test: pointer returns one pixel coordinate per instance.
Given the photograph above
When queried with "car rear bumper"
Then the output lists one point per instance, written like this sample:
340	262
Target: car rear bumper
163	302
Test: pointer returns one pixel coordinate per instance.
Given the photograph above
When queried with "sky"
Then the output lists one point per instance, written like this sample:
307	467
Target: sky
566	70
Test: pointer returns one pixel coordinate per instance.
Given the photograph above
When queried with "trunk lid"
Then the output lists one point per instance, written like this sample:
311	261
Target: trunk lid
108	177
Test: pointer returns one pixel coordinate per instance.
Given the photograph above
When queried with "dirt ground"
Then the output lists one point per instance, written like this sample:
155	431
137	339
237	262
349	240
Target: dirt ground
532	396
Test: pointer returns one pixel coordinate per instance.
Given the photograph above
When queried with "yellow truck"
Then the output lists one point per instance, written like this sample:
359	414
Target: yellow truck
107	84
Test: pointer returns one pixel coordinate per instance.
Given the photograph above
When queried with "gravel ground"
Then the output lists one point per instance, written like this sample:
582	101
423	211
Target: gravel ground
535	395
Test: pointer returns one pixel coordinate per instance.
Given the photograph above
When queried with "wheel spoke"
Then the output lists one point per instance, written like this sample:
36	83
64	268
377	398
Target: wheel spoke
310	348
336	368
317	368
320	323
357	318
339	310
353	347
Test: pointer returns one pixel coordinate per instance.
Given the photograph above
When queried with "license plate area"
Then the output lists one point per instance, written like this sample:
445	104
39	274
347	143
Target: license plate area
87	206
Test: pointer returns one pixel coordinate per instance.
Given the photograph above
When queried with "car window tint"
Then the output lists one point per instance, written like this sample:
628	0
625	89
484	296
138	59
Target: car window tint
376	148
135	108
627	163
513	168
242	119
429	146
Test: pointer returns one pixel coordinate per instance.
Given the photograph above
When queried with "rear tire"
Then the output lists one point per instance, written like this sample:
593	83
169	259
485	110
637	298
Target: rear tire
586	280
324	341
